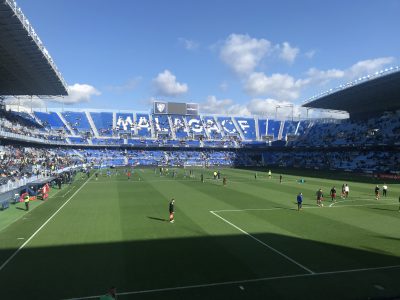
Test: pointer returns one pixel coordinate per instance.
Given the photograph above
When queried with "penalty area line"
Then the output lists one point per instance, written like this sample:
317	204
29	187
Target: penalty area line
254	280
312	207
41	227
370	200
264	244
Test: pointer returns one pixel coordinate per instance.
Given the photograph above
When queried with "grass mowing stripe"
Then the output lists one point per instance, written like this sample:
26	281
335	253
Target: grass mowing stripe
41	227
312	207
242	281
264	244
30	210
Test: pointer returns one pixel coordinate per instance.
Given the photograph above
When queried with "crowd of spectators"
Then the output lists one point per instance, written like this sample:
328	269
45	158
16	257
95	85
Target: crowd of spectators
380	130
21	163
112	157
11	122
369	161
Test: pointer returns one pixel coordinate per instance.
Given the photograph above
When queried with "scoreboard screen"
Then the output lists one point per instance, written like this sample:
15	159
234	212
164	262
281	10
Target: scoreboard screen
192	109
176	108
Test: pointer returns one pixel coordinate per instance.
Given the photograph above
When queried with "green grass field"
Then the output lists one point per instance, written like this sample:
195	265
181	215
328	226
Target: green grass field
242	241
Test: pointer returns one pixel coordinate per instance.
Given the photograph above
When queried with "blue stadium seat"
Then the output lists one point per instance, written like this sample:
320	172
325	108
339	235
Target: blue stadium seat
77	121
103	122
248	127
143	125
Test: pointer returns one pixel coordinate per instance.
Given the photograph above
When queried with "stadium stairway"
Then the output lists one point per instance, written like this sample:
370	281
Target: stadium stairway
186	125
135	128
114	120
38	121
78	153
257	129
206	132
282	123
92	126
219	127
153	134
238	129
66	124
171	125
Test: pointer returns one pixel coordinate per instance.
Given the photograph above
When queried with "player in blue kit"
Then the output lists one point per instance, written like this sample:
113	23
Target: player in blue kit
299	201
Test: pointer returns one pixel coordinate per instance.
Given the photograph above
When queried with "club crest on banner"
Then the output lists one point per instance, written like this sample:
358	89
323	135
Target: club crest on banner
160	107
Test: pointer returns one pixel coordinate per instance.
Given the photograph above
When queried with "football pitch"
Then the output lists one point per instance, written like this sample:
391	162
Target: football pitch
245	240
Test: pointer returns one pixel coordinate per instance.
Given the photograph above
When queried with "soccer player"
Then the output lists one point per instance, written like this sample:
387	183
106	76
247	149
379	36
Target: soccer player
377	192
202	178
343	191
280	178
384	190
333	194
269	174
320	197
26	200
171	210
255	175
97	175
300	201
224	180
129	175
346	190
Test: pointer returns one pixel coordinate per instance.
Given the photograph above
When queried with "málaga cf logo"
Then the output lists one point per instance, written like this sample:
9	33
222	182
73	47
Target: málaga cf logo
160	107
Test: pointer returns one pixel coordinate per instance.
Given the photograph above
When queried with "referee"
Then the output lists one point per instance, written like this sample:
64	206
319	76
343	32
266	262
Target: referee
171	210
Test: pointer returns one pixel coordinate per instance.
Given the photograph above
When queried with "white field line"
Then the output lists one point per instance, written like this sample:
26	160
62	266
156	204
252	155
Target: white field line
312	207
41	227
344	201
143	181
68	191
51	196
264	244
178	288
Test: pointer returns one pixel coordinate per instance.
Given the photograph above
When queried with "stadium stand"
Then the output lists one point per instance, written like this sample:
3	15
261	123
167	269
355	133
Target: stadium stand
144	128
78	122
103	121
36	142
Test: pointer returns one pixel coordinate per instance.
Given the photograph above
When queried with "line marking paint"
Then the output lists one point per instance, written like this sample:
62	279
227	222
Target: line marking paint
312	207
41	227
264	244
235	282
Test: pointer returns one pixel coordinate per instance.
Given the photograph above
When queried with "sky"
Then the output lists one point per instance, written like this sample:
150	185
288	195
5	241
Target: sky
231	57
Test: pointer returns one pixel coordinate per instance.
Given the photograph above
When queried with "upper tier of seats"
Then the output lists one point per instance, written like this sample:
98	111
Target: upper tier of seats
380	130
174	127
144	129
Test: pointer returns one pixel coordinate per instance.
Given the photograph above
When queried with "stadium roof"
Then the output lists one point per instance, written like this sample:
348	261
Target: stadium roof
26	68
364	97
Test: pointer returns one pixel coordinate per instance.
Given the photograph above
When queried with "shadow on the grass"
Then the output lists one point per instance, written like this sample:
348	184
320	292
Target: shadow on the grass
157	219
57	272
388	209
